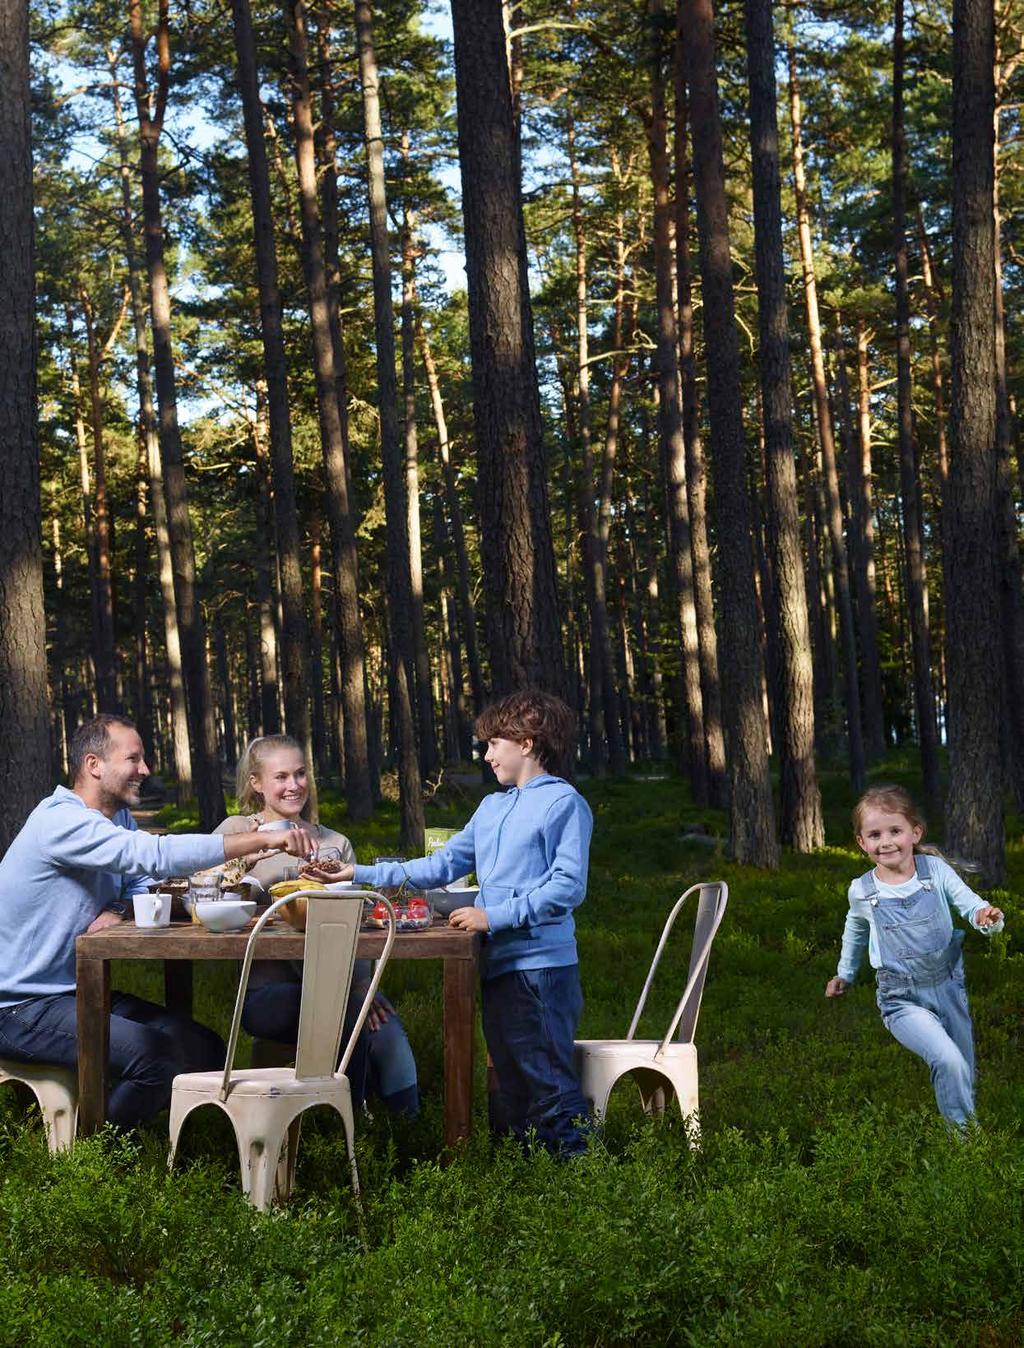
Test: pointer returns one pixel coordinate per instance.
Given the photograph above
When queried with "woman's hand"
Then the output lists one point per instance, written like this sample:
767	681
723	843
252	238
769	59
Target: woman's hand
469	919
835	987
987	916
343	872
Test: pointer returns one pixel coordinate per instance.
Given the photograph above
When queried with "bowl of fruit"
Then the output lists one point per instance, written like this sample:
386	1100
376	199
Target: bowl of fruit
412	912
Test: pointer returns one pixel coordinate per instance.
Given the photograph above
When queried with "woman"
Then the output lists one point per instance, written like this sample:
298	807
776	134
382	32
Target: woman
273	787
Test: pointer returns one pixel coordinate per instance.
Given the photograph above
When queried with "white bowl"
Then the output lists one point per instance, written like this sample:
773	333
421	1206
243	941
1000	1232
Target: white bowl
225	914
445	901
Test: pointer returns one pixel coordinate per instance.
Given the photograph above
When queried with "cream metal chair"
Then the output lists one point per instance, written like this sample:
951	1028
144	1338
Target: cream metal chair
56	1091
265	1105
665	1067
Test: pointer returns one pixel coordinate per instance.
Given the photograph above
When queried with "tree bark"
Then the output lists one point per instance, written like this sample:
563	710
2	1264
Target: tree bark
517	552
203	732
148	430
974	806
294	629
106	656
696	474
402	664
802	825
917	581
826	439
750	804
860	530
463	587
418	633
672	443
358	778
24	725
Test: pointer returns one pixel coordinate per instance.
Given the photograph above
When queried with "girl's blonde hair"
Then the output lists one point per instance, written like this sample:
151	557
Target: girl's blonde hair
254	757
896	800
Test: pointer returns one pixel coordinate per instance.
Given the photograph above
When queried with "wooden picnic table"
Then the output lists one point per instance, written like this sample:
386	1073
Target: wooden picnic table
180	944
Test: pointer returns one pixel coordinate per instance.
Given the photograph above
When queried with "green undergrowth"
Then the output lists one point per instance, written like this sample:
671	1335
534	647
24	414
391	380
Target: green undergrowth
826	1205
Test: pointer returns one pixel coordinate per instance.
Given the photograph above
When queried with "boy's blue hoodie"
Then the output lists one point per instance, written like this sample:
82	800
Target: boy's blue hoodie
530	848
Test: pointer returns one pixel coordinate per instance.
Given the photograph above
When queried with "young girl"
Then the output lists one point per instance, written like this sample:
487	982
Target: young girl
900	911
273	786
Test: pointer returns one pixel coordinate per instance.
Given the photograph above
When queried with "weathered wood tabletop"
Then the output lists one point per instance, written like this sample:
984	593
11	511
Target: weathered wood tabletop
180	944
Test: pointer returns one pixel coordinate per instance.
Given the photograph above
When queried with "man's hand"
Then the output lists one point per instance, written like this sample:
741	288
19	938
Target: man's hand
835	987
469	919
987	916
297	842
104	919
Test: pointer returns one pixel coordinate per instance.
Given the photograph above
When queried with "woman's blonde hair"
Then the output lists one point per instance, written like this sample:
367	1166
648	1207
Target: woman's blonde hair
255	755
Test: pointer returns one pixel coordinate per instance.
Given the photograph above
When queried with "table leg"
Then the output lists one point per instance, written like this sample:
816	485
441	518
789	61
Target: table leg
459	1030
178	986
93	1012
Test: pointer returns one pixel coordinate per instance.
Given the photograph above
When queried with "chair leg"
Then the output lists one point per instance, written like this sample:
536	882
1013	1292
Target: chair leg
284	1181
181	1107
59	1109
260	1152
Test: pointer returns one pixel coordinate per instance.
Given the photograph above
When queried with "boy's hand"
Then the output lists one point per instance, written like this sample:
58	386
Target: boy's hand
469	919
835	987
988	916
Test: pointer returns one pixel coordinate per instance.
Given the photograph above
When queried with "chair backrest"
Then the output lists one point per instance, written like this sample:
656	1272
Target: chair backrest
713	897
332	932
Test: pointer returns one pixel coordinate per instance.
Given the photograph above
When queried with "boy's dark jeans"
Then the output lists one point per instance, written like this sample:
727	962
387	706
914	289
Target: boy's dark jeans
149	1046
530	1018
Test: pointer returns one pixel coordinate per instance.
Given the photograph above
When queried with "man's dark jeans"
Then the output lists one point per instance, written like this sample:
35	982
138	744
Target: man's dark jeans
149	1046
530	1018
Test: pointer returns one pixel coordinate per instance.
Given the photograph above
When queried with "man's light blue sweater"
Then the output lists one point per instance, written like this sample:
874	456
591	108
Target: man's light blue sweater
530	848
68	864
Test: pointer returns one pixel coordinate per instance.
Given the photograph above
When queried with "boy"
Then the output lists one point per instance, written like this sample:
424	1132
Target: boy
529	846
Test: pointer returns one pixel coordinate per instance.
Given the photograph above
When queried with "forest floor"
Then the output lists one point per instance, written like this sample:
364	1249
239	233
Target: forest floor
826	1206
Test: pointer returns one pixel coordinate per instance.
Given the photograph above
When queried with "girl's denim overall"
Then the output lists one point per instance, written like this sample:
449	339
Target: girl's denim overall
921	992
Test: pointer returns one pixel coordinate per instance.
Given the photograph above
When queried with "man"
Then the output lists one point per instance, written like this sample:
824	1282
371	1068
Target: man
74	868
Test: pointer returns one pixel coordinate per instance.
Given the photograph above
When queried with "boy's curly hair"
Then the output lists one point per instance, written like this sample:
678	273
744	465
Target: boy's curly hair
532	715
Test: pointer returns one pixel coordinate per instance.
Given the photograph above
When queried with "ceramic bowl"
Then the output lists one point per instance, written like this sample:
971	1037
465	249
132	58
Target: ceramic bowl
445	901
227	914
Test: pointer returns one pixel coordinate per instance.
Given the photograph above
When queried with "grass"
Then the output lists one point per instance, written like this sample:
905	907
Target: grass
827	1205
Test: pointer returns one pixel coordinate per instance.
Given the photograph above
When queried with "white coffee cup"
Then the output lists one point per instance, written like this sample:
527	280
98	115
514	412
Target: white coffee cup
152	910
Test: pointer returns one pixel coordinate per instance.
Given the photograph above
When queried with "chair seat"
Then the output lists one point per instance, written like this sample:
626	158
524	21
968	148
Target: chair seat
56	1091
642	1050
602	1062
262	1082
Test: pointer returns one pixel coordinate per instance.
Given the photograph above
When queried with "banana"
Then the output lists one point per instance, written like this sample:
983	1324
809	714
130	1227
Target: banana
285	887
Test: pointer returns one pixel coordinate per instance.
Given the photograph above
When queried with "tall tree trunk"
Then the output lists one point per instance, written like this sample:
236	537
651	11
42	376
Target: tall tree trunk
933	298
917	582
143	691
696	475
321	752
148	429
401	674
418	634
106	656
517	552
826	439
974	806
467	609
24	726
294	630
263	565
670	417
358	777
85	480
802	823
857	449
600	726
203	732
1011	588
750	804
